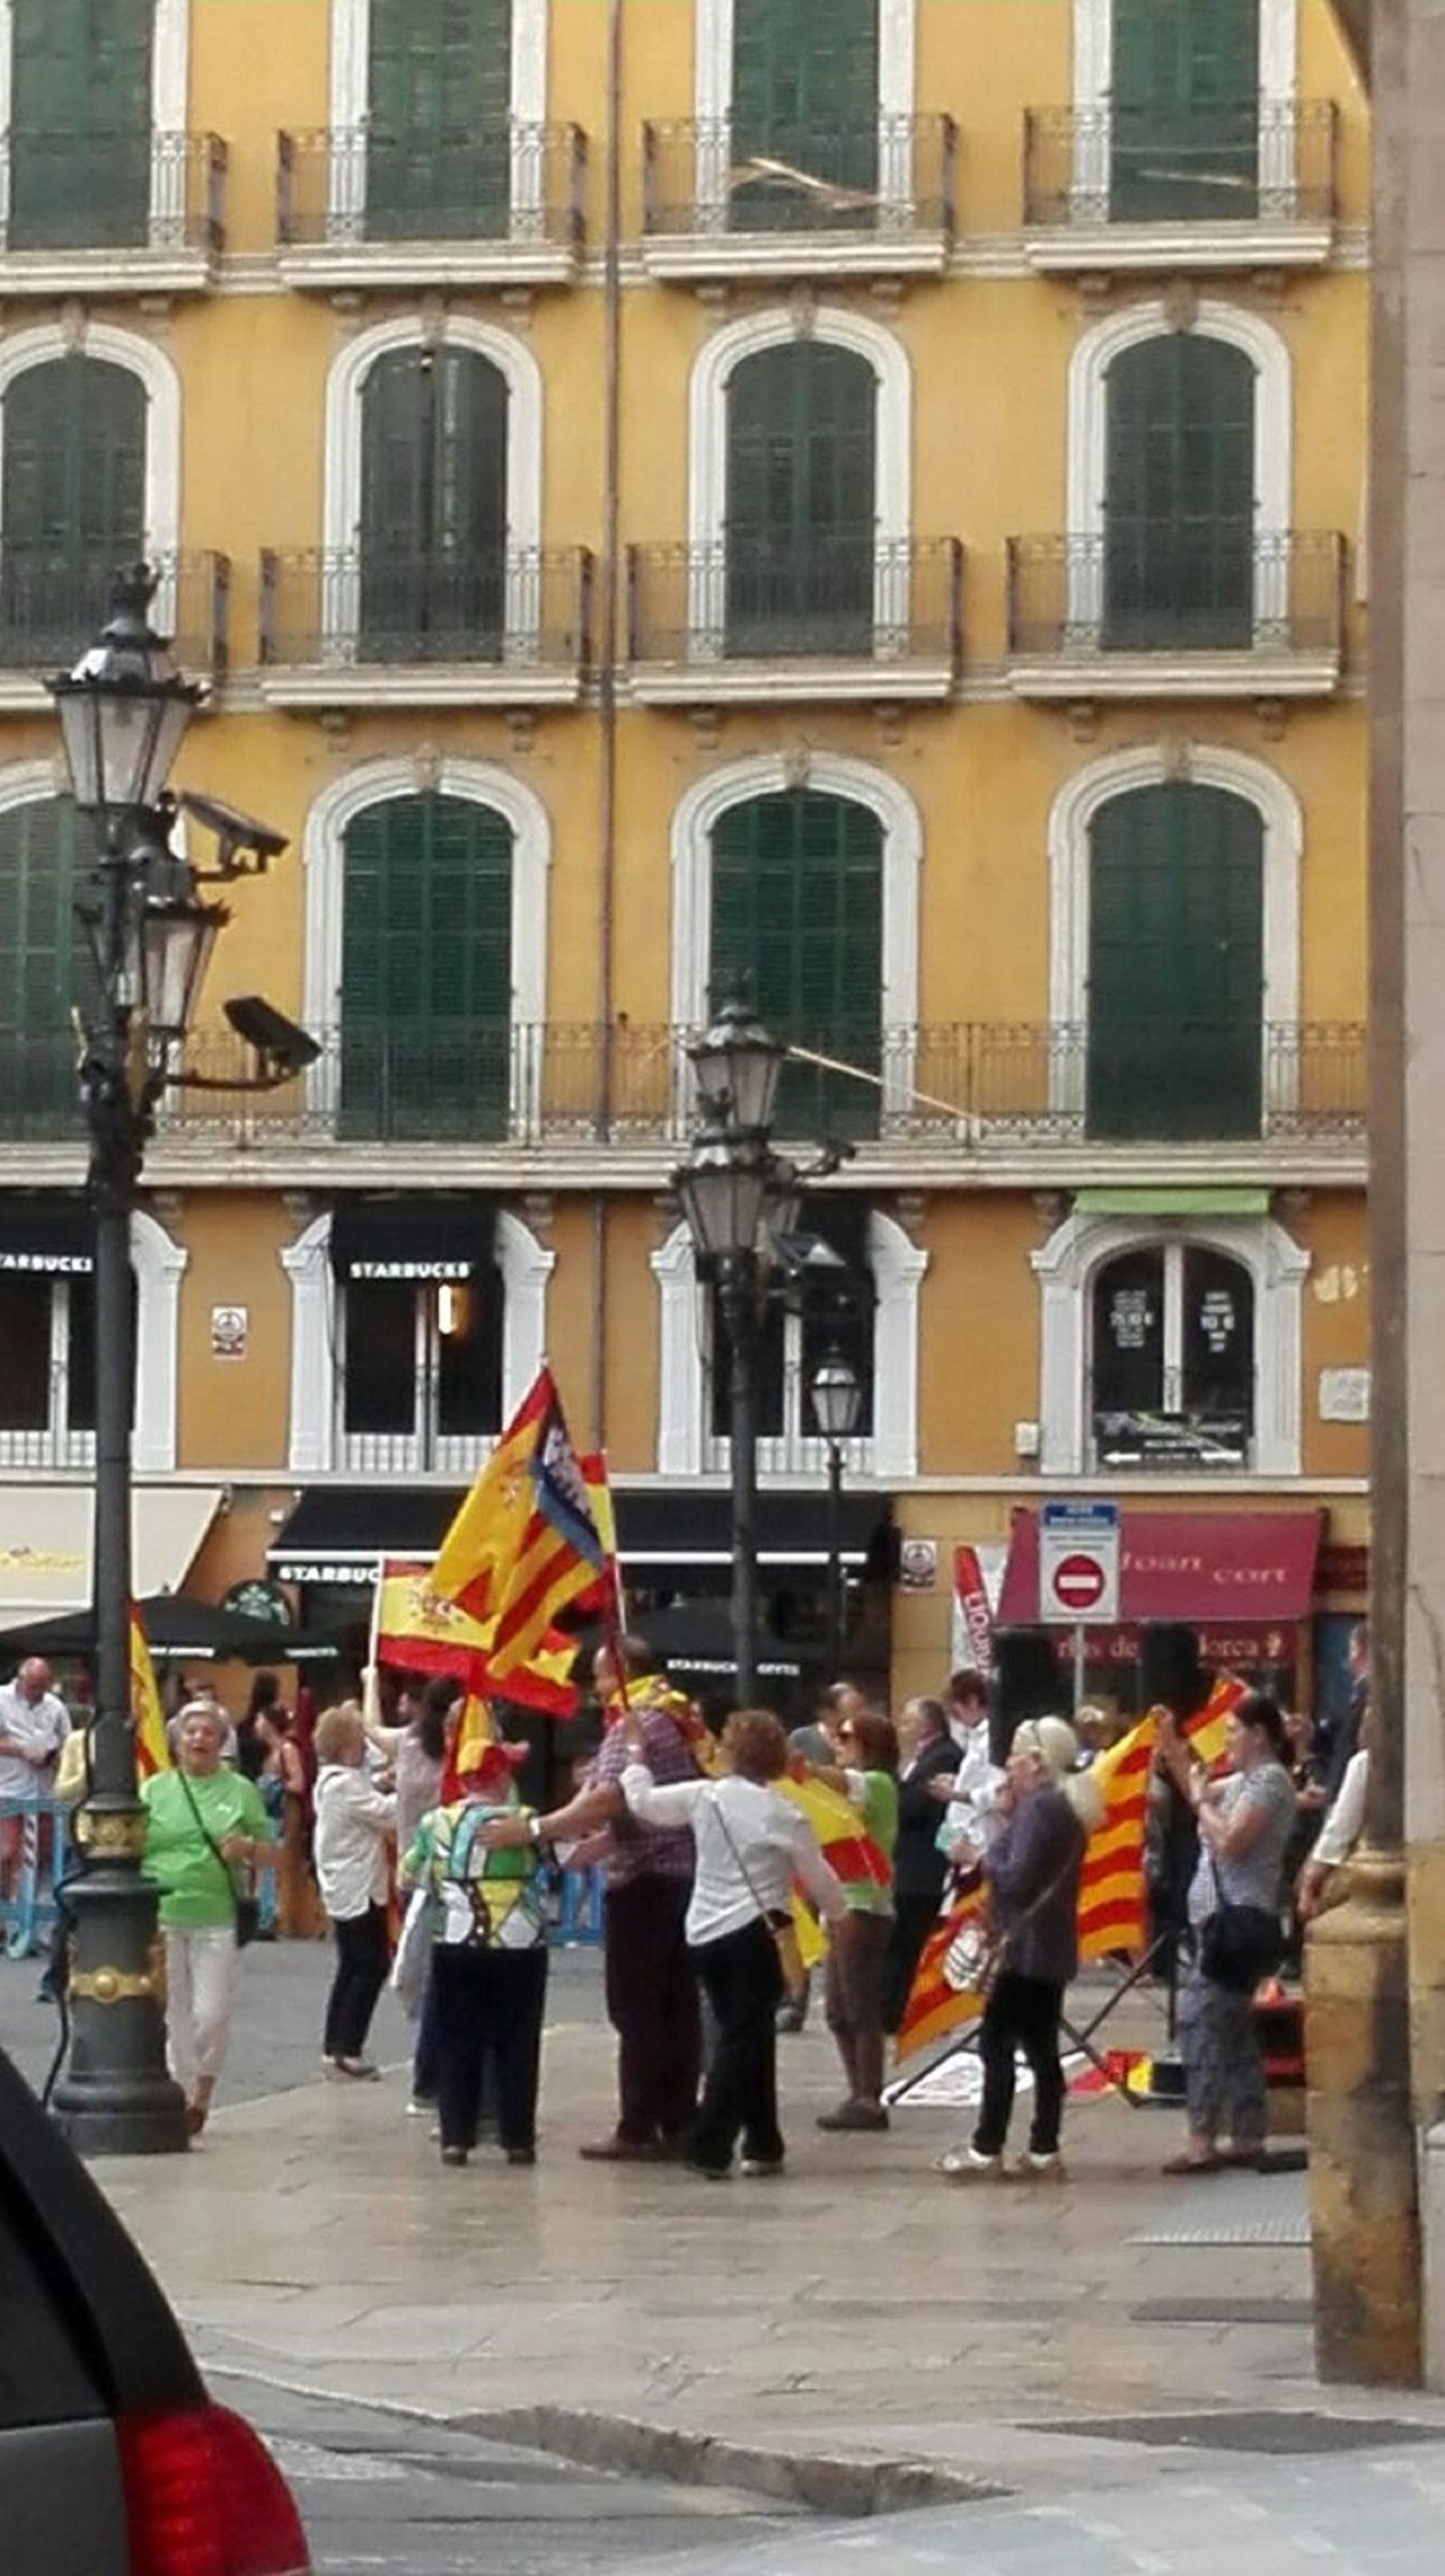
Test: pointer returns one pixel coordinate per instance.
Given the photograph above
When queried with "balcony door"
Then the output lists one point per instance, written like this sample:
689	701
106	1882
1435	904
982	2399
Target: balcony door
72	503
1179	497
800	526
797	913
426	971
804	116
433	533
438	142
1176	966
42	951
1184	120
80	123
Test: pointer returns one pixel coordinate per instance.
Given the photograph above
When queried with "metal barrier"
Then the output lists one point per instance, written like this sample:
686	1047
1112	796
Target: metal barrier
40	1829
579	1916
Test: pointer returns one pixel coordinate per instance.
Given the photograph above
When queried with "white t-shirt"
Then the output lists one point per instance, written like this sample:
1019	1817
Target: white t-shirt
751	1845
45	1723
353	1819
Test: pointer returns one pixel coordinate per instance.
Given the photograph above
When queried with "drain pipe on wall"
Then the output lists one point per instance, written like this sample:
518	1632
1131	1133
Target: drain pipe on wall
607	649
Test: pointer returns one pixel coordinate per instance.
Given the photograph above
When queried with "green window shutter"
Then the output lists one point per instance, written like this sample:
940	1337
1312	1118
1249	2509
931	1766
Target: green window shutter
797	910
42	967
1176	965
72	502
438	151
1185	98
433	533
1179	499
80	123
801	524
426	970
805	94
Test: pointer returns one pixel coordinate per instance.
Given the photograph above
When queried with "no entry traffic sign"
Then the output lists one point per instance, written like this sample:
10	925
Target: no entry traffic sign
1079	1564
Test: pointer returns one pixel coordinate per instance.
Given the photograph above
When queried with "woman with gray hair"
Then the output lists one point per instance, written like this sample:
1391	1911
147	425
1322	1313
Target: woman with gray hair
203	1823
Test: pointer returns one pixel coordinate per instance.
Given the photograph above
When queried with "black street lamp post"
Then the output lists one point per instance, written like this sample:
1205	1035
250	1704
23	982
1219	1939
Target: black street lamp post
837	1404
123	712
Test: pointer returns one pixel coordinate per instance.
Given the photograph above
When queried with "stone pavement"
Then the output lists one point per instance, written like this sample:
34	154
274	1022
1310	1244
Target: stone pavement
859	2313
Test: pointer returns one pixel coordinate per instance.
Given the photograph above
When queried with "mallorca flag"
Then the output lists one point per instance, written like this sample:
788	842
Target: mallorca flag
560	1554
152	1752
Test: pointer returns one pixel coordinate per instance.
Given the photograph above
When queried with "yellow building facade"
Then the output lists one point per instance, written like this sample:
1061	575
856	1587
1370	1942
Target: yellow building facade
869	499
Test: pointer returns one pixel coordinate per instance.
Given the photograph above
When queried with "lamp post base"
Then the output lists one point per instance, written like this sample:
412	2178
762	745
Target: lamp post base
1363	2182
115	2097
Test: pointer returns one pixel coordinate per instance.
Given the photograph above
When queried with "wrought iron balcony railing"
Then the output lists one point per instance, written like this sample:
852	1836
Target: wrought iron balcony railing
839	596
889	178
51	605
375	606
1176	589
132	190
981	1087
364	187
1262	163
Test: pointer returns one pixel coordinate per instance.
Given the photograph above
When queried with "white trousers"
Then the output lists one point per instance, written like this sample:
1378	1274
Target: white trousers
200	1977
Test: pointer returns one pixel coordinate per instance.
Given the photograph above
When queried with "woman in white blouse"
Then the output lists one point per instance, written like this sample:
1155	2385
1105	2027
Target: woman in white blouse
752	1844
355	1822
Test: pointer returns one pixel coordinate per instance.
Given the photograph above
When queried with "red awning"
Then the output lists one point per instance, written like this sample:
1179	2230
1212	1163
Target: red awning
1214	1569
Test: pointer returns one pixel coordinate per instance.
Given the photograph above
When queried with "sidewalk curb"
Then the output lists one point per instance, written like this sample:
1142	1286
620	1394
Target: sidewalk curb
837	2484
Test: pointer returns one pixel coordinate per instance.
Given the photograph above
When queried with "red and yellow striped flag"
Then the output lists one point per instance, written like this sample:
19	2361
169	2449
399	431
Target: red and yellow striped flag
152	1751
527	1543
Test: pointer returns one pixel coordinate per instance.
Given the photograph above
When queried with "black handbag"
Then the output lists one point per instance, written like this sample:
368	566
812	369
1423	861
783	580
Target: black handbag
245	1901
1239	1945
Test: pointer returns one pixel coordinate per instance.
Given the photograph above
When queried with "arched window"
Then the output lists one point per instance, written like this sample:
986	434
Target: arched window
1185	111
1175	964
426	970
801	511
797	913
1179	496
805	100
72	501
432	534
42	965
1172	1358
438	148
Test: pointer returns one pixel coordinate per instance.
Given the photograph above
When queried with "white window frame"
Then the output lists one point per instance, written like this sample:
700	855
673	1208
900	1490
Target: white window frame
350	108
1093	356
46	343
316	1446
1071	824
1173	1251
368	1453
159	1264
713	104
377	782
685	1443
830	774
1065	1269
719	356
170	105
1278	76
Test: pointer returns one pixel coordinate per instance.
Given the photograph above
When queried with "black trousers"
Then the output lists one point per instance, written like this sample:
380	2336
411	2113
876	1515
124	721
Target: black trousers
652	2005
742	1979
361	1965
913	1919
488	2003
1022	2013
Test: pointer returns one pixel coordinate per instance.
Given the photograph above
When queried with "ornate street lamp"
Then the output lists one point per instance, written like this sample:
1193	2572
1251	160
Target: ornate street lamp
124	710
837	1404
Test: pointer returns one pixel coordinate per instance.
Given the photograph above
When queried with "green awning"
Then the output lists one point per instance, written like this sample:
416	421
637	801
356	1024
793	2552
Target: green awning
1172	1202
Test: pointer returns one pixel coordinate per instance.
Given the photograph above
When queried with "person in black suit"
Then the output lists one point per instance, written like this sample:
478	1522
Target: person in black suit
925	1784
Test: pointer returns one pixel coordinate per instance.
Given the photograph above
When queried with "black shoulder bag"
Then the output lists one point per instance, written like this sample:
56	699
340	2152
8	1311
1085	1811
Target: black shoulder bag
248	1910
1239	1945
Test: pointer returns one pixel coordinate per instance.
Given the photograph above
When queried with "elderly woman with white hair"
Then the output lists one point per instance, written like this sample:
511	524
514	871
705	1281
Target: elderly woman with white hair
1031	1872
204	1824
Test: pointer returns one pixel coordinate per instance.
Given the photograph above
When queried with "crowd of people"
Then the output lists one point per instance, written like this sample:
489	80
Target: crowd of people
418	1853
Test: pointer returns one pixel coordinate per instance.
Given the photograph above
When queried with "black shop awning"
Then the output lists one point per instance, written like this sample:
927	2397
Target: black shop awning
670	1538
52	1236
431	1238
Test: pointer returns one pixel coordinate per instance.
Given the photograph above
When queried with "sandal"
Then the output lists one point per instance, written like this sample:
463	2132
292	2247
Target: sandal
1187	2164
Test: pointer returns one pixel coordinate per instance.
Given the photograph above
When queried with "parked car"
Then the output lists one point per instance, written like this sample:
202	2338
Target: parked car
113	2460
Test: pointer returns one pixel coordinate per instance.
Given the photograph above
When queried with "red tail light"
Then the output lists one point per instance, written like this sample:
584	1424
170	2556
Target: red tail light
204	2498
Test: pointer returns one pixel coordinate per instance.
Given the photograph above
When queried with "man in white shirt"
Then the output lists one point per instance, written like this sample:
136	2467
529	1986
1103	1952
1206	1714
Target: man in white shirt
1338	1836
971	1820
34	1724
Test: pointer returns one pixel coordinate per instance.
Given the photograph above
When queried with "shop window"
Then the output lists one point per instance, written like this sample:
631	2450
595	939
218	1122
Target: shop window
47	1369
1173	1359
421	1377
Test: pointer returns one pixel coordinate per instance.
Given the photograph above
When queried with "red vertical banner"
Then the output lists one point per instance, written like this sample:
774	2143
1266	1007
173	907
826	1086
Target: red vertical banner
972	1643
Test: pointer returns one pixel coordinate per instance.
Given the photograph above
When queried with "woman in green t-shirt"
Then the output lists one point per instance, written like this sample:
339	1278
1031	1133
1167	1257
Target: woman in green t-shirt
203	1824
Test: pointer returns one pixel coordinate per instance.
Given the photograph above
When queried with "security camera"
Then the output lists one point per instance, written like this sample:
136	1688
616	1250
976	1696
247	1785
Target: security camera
241	838
284	1049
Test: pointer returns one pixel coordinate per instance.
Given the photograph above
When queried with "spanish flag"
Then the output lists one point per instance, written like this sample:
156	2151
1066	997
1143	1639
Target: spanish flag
152	1752
418	1628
